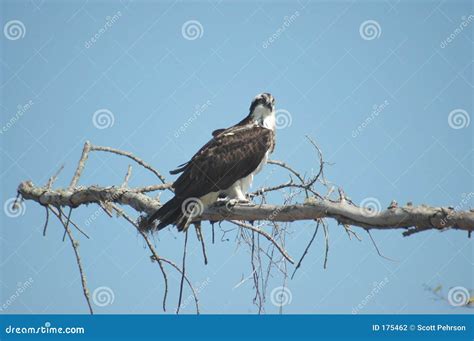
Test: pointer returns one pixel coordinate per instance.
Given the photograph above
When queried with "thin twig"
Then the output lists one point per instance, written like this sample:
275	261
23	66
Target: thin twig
15	203
377	248
350	233
67	222
287	167
291	184
326	241
46	221
321	162
127	177
258	297
213	233
54	177
195	296
266	235
75	246
184	271
59	214
105	206
200	237
307	248
80	165
157	258
130	156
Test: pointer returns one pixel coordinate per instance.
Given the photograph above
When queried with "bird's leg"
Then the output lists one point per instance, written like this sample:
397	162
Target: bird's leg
234	196
231	202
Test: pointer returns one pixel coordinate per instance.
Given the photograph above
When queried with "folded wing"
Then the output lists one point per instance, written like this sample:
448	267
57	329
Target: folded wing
230	156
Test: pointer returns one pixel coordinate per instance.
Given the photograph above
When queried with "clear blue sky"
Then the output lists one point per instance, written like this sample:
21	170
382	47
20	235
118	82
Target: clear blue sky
322	68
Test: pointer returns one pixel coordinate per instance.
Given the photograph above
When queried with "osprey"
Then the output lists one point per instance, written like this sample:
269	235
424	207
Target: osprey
223	167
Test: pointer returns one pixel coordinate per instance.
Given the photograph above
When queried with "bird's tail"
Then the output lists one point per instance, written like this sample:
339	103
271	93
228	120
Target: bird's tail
177	211
169	213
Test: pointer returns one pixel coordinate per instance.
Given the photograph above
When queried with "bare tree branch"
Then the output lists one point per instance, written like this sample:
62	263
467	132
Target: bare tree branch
316	207
411	218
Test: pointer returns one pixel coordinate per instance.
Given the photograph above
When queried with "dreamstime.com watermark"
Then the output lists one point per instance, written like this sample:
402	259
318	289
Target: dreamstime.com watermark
199	109
370	30
287	22
459	119
14	30
192	207
466	197
13	207
91	218
103	119
377	287
273	215
109	22
192	30
283	119
377	109
21	110
458	296
47	328
103	296
198	288
370	206
457	31
21	288
281	296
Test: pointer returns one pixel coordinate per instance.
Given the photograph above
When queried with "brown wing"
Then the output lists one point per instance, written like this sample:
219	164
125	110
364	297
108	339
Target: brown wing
216	132
225	159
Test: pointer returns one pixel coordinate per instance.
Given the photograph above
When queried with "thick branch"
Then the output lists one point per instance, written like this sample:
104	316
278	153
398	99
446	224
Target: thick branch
413	218
88	195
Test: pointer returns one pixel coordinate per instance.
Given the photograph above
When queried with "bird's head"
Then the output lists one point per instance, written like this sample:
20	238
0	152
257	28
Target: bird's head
262	110
263	101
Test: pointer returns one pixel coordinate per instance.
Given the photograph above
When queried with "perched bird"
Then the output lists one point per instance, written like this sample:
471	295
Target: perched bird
223	168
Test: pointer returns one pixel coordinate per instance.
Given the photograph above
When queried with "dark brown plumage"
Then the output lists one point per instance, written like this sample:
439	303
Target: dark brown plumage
231	154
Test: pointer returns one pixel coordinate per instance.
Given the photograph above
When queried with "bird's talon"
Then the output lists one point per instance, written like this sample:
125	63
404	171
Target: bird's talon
231	203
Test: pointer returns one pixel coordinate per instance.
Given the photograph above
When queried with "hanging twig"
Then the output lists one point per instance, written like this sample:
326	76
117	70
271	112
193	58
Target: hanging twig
184	271
258	297
266	235
307	248
46	222
75	246
200	237
59	215
377	248
326	242
68	219
158	259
